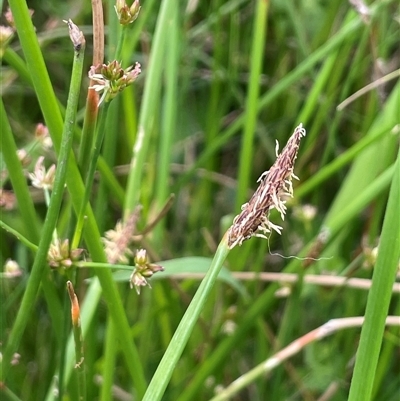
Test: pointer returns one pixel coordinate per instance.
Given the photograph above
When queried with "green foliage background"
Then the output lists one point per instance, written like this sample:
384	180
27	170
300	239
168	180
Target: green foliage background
220	82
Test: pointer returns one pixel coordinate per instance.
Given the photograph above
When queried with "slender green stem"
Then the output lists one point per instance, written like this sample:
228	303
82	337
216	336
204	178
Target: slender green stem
329	169
110	354
178	342
52	116
20	187
169	120
274	92
379	296
40	264
19	236
246	154
149	103
121	40
94	156
15	61
78	338
98	265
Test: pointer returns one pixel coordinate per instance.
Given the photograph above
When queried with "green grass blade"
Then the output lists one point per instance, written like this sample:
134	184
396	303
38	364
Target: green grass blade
379	296
149	105
171	356
257	53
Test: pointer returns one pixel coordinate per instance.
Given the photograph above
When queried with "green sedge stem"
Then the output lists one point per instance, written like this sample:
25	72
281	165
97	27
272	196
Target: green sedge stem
121	41
100	132
40	264
19	236
175	348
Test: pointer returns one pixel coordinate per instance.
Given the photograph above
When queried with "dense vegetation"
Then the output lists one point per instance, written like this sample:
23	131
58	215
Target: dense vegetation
181	149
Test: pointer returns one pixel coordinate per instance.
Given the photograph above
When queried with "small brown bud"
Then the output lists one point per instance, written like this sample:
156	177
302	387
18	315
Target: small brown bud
77	38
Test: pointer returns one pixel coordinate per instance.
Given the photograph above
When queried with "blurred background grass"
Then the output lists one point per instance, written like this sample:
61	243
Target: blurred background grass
234	77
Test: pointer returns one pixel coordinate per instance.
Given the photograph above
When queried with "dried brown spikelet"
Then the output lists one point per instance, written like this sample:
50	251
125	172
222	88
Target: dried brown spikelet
274	184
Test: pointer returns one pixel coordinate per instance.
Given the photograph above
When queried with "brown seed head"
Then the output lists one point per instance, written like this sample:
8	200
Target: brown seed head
274	184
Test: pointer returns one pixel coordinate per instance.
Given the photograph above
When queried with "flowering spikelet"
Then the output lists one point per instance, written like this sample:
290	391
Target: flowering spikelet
42	178
117	241
111	78
60	256
143	270
274	184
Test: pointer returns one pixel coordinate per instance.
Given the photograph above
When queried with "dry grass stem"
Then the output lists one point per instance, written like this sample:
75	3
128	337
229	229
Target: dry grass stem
275	184
327	329
290	278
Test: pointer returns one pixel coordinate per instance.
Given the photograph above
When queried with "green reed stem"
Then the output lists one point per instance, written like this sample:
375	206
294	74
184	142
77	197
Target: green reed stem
149	102
40	264
178	342
252	101
94	156
379	296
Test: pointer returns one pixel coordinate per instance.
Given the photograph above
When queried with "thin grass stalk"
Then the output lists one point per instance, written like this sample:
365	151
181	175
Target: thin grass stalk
30	245
329	328
146	12
386	355
250	118
379	296
353	208
89	125
203	196
87	311
294	11
94	156
227	346
108	176
10	396
341	161
345	87
110	356
78	338
317	89
40	264
178	342
227	8
266	299
149	103
92	99
28	214
331	74
108	152
121	41
283	278
88	131
362	170
284	84
17	63
52	116
8	149
168	126
111	126
253	218
65	334
367	88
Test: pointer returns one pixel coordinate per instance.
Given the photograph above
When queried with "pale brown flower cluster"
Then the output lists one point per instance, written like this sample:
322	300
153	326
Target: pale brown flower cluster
143	270
42	178
111	78
127	15
117	241
275	184
60	256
